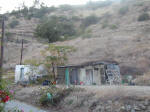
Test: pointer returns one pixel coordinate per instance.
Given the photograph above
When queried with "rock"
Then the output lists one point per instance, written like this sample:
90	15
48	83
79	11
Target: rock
108	108
142	106
136	108
146	103
122	108
102	109
128	107
109	102
132	110
116	103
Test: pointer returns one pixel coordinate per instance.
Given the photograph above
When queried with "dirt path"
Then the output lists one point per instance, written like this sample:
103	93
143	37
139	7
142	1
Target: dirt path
102	91
22	106
82	99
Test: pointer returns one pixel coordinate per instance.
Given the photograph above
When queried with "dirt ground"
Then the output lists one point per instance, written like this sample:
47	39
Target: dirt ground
92	98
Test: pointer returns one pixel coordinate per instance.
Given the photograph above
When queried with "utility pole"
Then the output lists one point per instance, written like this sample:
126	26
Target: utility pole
21	52
2	48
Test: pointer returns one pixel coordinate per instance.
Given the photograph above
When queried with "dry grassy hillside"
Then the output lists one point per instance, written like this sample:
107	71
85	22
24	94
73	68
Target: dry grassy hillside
118	35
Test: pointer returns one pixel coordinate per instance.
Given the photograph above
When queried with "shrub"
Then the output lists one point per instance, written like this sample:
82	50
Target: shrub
55	28
139	3
32	12
56	95
5	94
113	26
39	13
104	25
123	10
75	18
92	19
66	7
144	17
13	23
87	34
98	4
8	34
143	80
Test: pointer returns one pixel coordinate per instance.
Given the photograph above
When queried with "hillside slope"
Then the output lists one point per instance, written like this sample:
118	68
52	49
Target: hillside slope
116	36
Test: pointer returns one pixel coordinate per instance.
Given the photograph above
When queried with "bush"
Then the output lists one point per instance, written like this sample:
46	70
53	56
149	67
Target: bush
98	4
39	13
33	12
92	19
75	18
141	3
144	17
5	94
8	34
104	25
55	28
13	24
57	95
113	26
123	10
66	8
143	80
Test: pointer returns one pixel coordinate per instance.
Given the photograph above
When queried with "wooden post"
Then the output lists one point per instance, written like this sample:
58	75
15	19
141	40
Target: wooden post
21	53
2	48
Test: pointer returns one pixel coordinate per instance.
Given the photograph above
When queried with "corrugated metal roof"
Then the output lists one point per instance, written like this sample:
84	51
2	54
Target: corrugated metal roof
91	63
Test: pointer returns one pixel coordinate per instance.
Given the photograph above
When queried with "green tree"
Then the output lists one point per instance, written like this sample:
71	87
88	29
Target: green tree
89	20
13	23
55	28
144	17
55	56
48	30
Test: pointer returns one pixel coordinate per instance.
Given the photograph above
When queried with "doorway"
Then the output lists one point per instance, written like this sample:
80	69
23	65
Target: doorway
74	77
89	77
22	74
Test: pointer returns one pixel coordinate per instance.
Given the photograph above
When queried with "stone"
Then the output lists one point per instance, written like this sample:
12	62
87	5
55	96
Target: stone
108	108
142	106
122	108
109	101
132	110
128	107
146	103
136	108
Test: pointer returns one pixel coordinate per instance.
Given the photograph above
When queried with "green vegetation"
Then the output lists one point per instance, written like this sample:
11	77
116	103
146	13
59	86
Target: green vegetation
87	34
53	57
75	18
8	34
55	29
139	3
66	8
56	95
144	17
39	13
37	10
123	10
113	26
58	56
98	4
13	23
105	25
90	20
32	62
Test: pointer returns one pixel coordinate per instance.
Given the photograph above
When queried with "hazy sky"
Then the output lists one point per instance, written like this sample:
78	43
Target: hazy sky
8	5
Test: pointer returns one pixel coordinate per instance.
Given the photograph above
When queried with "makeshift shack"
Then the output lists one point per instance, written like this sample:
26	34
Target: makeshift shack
28	72
89	73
